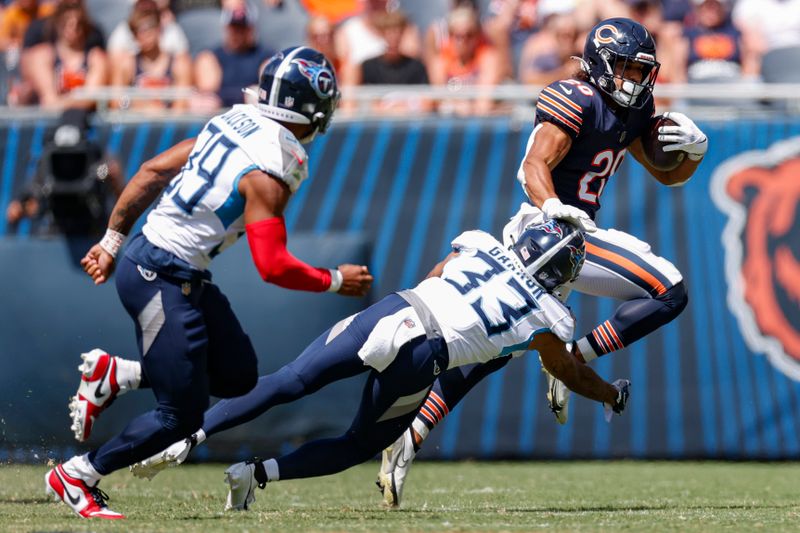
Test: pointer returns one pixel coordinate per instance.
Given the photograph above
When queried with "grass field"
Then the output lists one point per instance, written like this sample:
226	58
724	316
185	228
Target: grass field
572	496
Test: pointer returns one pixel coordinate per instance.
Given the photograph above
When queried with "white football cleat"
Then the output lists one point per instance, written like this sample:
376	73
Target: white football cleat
86	501
98	389
395	463
169	458
558	398
242	485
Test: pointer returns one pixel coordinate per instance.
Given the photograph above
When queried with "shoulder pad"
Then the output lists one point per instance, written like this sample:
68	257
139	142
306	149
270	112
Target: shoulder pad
566	103
473	239
278	153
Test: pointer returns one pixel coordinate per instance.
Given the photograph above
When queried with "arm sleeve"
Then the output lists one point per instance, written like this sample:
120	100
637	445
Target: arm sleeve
267	239
565	104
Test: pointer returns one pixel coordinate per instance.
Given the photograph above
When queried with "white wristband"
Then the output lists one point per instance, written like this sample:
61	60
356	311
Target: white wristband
336	280
112	242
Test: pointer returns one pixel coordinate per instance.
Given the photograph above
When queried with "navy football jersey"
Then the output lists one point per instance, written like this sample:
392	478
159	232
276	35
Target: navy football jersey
600	136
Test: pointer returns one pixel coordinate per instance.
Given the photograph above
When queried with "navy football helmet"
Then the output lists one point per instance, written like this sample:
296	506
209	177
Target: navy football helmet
552	253
298	85
613	46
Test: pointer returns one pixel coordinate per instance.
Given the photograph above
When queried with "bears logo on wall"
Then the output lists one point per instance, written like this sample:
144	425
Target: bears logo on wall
759	191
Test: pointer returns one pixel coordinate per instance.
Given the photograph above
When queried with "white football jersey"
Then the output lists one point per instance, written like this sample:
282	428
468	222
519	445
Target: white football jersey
486	304
201	212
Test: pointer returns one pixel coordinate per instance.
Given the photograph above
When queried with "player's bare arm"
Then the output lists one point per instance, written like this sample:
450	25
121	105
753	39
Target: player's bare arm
577	377
266	198
144	187
551	146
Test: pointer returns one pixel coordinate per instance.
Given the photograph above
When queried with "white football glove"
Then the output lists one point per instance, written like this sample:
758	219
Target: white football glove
686	136
553	208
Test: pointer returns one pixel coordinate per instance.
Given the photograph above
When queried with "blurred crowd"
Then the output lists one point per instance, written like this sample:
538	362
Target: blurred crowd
53	47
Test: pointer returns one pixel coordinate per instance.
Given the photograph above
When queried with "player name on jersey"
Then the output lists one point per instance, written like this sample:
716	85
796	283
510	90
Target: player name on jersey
240	122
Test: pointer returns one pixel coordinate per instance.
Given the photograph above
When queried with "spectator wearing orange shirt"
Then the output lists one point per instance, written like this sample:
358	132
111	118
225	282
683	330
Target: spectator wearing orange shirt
466	58
16	18
151	67
334	11
13	22
713	45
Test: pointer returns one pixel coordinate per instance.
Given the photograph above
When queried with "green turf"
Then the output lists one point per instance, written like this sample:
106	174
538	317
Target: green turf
572	496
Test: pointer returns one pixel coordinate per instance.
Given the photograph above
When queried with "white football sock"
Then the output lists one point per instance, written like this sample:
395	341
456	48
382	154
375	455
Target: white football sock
129	374
80	467
273	473
421	429
586	349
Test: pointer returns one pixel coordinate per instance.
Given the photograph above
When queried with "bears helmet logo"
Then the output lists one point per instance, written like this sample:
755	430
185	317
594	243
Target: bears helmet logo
759	191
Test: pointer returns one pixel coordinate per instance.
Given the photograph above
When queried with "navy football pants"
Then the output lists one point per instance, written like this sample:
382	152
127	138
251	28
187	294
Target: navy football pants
389	402
191	345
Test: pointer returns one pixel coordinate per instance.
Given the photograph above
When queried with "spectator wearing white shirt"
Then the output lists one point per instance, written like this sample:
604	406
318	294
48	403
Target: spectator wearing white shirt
173	39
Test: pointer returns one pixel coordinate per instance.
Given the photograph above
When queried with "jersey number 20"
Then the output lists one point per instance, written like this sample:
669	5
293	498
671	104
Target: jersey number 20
608	164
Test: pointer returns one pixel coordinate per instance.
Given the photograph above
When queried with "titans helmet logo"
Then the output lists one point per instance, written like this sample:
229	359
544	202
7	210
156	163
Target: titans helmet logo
759	191
319	76
552	227
576	256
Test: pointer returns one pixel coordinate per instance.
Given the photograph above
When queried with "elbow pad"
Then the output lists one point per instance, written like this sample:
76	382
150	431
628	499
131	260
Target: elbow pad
267	239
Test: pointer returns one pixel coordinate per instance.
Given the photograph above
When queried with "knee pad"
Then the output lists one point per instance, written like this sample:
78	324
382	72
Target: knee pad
676	298
179	421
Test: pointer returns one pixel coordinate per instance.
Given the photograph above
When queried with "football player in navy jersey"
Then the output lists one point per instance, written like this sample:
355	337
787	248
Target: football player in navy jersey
584	127
236	178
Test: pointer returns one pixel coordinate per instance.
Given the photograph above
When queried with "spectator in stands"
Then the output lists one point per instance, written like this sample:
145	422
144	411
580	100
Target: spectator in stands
226	70
54	70
172	39
151	67
590	12
546	55
393	67
766	26
466	58
14	21
358	39
16	18
509	25
712	49
43	30
649	13
319	36
437	34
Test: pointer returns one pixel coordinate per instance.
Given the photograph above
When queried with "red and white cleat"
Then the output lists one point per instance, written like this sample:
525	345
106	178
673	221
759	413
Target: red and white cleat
98	389
86	501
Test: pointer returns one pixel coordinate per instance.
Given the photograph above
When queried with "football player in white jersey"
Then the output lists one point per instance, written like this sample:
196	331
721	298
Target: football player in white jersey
481	303
235	178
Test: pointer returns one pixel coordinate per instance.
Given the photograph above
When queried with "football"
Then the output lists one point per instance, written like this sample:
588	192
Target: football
653	148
